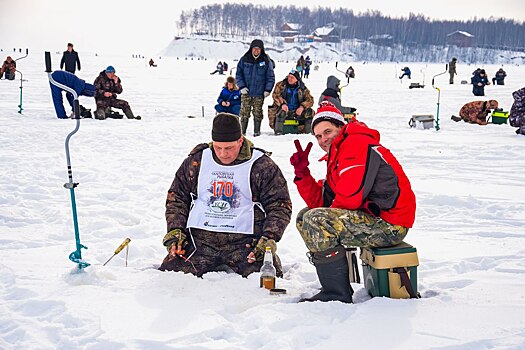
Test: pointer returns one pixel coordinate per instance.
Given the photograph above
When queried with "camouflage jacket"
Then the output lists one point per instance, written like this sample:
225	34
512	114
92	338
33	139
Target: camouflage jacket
517	111
9	66
267	183
104	84
475	112
304	96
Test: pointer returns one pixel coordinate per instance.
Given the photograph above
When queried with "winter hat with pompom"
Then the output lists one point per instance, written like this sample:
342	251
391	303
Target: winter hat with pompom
328	112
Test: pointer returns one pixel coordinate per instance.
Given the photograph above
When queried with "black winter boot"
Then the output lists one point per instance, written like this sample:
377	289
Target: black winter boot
129	114
100	114
244	125
257	127
332	270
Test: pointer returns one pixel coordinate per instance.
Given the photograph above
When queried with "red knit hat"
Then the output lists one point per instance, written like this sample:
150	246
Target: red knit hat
328	112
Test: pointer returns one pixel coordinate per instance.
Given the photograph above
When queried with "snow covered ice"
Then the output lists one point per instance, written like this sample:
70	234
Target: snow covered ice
469	228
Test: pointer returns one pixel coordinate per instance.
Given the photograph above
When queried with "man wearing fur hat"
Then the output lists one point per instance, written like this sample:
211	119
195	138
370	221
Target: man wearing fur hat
294	101
228	201
365	200
255	78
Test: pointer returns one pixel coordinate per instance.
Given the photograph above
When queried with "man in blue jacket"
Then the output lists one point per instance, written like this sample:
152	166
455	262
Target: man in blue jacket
255	79
72	81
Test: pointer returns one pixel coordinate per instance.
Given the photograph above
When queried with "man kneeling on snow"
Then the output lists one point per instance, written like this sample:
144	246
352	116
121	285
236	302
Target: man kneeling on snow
228	201
364	201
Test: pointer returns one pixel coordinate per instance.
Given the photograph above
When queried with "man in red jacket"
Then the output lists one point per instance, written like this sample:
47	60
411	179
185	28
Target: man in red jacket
364	201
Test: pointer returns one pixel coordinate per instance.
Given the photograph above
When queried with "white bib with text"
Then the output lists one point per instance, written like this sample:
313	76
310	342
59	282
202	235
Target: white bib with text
224	196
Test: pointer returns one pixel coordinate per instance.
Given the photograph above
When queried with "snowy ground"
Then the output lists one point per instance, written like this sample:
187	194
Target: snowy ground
469	229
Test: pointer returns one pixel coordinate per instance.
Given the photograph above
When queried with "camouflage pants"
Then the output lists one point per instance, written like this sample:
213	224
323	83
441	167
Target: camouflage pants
325	228
518	121
252	105
219	253
102	104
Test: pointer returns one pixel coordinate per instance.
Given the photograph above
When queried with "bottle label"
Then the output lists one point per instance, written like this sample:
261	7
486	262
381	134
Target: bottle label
268	282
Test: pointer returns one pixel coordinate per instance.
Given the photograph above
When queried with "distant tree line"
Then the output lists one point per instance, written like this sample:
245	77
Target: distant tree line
247	19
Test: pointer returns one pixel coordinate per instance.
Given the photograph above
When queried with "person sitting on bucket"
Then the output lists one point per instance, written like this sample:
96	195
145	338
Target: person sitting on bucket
229	100
295	102
365	200
331	94
108	86
476	112
8	68
72	81
227	203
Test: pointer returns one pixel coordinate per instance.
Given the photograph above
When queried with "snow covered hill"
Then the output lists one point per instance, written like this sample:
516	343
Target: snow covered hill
202	47
469	230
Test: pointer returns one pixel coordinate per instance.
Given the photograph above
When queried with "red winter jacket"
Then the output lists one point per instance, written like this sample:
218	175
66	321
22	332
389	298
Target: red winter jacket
362	175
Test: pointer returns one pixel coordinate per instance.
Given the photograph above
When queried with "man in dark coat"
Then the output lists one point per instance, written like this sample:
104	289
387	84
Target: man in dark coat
228	201
70	80
108	86
365	199
499	78
452	69
479	80
331	94
70	59
255	78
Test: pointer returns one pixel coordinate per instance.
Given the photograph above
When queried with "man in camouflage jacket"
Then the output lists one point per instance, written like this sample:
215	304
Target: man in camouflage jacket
9	68
108	86
292	100
517	112
196	250
476	112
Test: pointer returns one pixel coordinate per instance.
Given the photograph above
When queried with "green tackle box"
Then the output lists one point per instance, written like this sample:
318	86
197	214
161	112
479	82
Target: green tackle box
499	117
387	271
290	126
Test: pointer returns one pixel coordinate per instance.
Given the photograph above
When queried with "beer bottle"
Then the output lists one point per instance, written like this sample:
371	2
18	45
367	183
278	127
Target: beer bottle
268	270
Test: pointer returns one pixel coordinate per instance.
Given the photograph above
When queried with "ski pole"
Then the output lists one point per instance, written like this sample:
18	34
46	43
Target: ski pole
119	249
75	256
439	95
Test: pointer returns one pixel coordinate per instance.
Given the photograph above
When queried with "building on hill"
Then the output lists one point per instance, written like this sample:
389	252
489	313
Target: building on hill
381	39
460	39
327	34
290	29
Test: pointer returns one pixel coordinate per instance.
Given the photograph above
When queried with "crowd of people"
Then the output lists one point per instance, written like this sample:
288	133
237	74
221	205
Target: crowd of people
229	200
105	89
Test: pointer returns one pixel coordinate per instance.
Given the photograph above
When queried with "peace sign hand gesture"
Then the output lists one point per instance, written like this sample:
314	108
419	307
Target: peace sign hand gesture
299	160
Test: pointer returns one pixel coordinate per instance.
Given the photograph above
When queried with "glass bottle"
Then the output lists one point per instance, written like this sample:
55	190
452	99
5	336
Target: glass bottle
268	270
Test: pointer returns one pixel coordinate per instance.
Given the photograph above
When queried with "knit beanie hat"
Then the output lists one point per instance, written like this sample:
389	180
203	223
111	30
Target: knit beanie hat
296	74
226	128
328	112
110	69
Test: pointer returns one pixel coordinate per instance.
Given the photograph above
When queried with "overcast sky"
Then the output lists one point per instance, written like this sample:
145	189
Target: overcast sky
148	26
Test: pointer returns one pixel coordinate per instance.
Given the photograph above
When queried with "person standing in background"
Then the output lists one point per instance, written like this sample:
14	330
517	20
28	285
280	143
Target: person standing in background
70	59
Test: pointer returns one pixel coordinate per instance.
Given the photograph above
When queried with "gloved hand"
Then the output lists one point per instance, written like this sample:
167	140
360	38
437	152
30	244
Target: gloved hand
244	91
175	241
299	160
266	94
257	254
